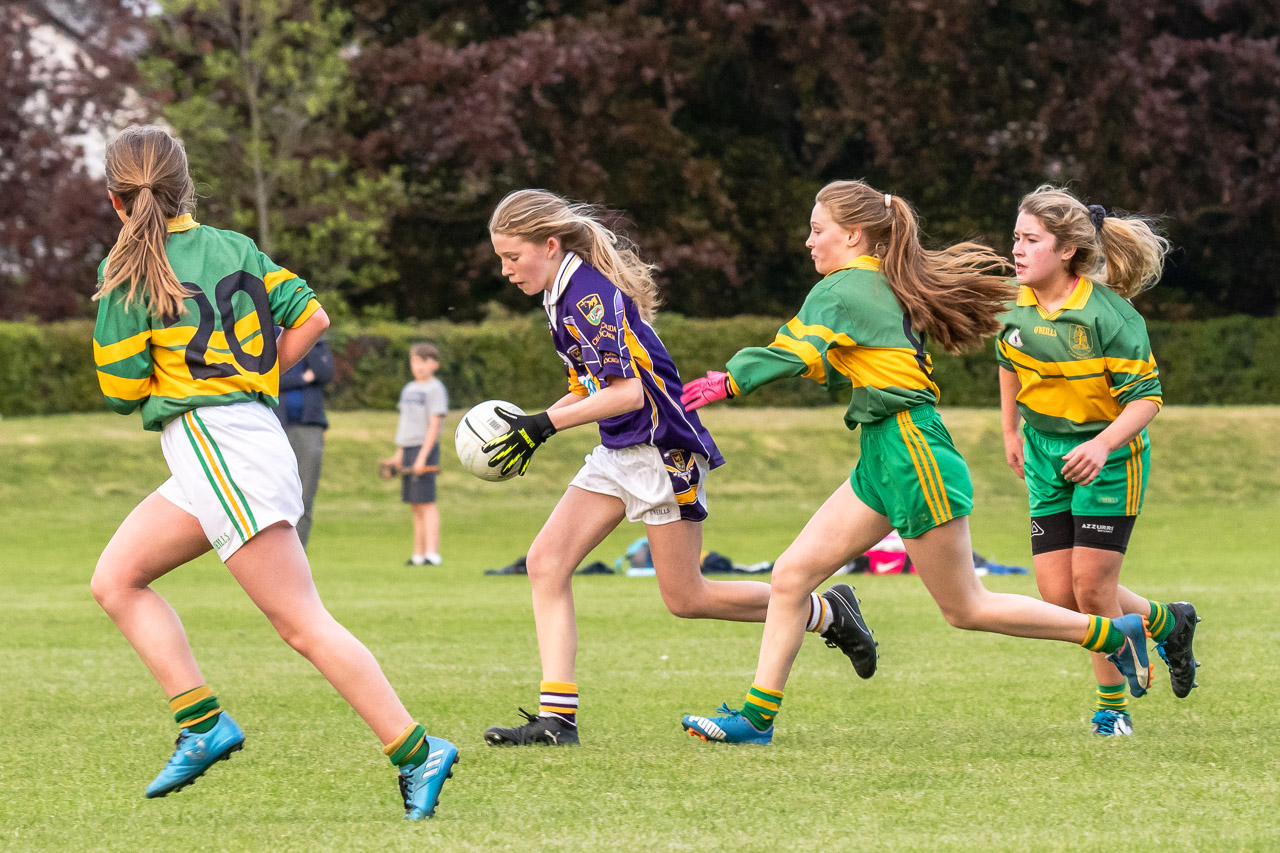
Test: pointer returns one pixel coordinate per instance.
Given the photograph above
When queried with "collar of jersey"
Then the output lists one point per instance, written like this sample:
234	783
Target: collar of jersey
862	262
1079	296
185	222
568	267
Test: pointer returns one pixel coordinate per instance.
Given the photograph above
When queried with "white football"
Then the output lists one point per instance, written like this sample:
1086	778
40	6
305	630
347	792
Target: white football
479	426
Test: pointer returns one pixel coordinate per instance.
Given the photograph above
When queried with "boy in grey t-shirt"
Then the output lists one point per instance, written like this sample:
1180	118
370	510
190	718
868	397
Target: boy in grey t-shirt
424	402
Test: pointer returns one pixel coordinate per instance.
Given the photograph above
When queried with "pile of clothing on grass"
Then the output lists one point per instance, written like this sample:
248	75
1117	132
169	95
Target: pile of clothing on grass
888	557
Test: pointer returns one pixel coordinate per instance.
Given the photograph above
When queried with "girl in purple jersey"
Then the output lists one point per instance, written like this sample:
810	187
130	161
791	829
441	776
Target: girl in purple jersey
653	459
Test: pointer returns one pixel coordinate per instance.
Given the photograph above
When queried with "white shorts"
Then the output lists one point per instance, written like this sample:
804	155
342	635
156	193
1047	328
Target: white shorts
656	486
233	469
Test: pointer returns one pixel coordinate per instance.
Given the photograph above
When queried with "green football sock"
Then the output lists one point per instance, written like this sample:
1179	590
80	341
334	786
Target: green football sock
1111	697
1160	622
1102	636
761	706
410	749
196	710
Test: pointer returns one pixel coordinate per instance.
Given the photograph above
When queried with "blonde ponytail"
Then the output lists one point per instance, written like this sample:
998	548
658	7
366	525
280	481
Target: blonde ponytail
1125	253
147	170
954	295
538	215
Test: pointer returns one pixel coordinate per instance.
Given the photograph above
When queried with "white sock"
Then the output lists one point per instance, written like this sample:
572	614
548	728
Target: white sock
433	558
418	559
820	614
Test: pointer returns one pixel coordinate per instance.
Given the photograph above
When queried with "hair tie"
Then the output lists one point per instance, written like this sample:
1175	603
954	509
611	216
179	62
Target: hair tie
887	199
1097	213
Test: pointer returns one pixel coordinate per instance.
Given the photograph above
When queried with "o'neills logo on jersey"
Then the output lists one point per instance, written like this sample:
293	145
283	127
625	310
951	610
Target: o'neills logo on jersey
1015	339
1081	341
592	308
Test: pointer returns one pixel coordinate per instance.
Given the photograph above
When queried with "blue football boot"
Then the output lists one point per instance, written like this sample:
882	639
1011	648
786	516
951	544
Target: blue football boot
1131	658
1108	723
732	727
420	786
196	752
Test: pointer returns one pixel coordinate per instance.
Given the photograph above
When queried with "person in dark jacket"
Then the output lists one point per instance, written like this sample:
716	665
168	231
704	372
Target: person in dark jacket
301	412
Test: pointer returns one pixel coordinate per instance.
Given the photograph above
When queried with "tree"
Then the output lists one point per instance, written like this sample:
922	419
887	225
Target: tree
57	83
260	94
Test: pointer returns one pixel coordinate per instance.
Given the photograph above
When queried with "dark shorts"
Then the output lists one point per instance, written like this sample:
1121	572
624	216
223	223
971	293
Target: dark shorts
419	488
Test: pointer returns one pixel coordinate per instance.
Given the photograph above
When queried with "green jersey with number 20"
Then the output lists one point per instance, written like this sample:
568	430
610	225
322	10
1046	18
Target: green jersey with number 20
222	350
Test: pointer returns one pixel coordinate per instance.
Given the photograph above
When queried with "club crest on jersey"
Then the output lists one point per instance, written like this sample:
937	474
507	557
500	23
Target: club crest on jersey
592	308
1015	338
1081	342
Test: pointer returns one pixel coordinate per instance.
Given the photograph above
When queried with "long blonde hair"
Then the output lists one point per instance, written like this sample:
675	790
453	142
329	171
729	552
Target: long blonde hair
1125	253
147	170
953	295
538	215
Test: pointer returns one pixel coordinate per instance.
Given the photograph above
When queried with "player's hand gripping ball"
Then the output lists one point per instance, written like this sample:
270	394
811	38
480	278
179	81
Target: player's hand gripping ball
476	440
514	450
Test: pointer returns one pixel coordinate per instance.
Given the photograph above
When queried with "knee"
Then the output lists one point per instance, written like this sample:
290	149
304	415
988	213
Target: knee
1061	596
686	604
547	569
1095	597
105	585
101	588
788	584
303	635
965	615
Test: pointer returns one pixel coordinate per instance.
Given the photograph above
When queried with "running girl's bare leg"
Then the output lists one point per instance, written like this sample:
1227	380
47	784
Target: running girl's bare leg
154	539
580	522
676	549
840	530
272	568
943	557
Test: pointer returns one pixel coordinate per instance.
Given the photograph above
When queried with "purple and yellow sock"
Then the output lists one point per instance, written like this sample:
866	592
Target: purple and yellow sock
559	699
761	706
196	710
1160	621
410	749
1102	636
820	615
1111	698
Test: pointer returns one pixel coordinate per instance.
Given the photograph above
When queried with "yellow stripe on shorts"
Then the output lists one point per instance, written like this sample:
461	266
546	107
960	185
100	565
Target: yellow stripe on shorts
1133	469
213	466
944	502
916	461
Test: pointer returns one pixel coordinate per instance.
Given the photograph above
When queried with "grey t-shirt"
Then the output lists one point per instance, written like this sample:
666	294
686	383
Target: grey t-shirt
418	402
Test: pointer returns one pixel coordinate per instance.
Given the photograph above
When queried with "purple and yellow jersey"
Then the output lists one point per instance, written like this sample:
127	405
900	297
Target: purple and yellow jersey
599	333
1079	366
221	351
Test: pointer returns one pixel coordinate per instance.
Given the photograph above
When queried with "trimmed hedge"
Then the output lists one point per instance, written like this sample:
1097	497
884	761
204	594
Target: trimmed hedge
49	369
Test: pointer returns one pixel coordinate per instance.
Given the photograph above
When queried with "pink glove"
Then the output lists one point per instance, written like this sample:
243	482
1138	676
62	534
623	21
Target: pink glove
707	389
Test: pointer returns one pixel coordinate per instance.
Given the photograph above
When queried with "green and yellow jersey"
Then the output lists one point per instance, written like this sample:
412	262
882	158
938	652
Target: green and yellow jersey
1078	366
850	333
221	351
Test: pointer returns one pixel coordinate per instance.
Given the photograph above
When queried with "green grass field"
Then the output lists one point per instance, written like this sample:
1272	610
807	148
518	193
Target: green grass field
960	742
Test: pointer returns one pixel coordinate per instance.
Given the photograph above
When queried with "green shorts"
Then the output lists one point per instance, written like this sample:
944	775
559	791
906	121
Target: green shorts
910	472
1118	489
